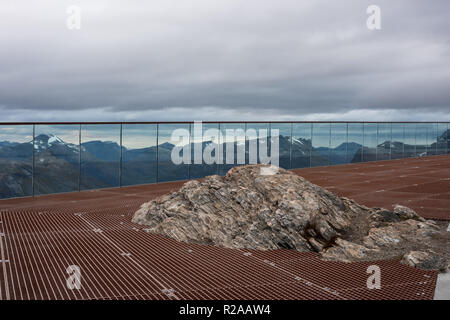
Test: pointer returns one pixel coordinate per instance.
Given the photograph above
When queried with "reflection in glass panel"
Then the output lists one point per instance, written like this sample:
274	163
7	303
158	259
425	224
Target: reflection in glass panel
421	139
232	143
320	144
301	145
254	138
442	133
355	142
206	141
284	143
56	158
448	138
410	140
167	170
100	156
384	141
398	140
138	154
16	157
339	145
432	138
370	142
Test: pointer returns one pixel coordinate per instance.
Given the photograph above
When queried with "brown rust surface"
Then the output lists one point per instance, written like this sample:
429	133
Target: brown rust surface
41	237
422	184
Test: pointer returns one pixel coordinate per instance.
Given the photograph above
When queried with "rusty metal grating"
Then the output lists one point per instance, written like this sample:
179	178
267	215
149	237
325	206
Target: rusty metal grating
41	237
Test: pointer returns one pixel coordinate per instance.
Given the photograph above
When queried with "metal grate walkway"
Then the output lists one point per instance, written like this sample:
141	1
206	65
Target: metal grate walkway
41	237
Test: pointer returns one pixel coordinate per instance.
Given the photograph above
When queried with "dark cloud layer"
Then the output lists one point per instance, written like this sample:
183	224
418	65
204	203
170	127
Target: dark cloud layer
224	59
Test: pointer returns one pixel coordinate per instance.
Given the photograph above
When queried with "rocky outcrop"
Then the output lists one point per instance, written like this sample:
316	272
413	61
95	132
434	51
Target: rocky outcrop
425	260
245	209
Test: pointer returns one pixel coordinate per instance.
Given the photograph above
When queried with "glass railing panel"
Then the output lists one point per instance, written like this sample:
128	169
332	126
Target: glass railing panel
370	142
320	154
56	158
442	133
254	139
410	140
167	169
100	156
339	145
398	141
233	146
138	154
384	141
16	161
448	138
284	143
301	145
421	139
207	141
432	138
355	142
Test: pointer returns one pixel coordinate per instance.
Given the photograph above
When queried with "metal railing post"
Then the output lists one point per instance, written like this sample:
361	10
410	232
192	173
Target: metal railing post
157	153
32	165
329	146
79	158
290	147
269	140
218	150
376	146
245	143
403	140
437	138
446	139
362	149
390	144
415	140
310	147
120	159
346	143
190	151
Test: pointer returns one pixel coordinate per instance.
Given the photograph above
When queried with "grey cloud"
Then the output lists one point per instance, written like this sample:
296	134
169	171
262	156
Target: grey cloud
237	59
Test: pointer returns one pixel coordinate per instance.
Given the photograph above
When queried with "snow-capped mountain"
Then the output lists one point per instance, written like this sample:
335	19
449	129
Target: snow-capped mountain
48	141
57	165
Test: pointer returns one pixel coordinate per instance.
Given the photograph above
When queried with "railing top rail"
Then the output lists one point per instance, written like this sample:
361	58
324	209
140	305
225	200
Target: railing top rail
186	122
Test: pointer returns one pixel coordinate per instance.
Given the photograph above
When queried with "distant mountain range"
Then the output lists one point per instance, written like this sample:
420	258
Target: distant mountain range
57	162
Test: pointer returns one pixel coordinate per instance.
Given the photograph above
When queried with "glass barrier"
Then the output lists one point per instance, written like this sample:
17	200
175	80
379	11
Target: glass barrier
44	159
100	156
254	140
208	143
338	143
139	154
56	158
167	169
442	131
410	140
233	140
301	145
398	141
284	143
16	161
384	140
421	139
370	142
320	153
355	142
448	138
432	137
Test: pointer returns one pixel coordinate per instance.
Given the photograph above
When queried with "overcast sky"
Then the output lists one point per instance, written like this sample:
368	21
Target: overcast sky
224	60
